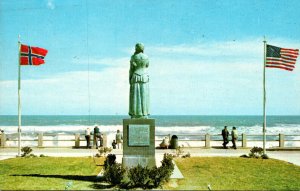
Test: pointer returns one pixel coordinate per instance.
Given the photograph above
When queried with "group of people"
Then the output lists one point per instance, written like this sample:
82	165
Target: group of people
98	138
225	135
165	143
118	141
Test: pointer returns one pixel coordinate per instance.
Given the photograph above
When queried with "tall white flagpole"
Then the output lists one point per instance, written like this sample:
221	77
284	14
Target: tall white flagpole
264	99
19	101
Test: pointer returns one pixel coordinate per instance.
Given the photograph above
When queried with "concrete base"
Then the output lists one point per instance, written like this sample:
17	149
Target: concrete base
132	161
135	149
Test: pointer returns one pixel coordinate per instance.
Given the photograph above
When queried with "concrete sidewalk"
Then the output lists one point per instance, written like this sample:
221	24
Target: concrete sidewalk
288	156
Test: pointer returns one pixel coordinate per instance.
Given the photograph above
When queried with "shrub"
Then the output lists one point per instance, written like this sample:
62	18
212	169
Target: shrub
32	155
144	177
188	155
257	152
110	160
139	177
26	151
42	155
104	150
179	151
114	173
244	156
162	174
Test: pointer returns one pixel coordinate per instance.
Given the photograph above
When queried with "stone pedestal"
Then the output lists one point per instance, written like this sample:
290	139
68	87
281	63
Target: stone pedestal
138	142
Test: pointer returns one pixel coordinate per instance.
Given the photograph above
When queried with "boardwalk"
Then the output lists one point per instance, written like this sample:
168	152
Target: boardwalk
288	156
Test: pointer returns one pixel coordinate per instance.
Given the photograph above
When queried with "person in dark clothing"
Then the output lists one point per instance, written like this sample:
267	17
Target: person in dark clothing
97	135
114	143
225	135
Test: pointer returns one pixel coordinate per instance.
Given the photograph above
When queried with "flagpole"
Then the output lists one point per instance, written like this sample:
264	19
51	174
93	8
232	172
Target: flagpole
19	101
264	98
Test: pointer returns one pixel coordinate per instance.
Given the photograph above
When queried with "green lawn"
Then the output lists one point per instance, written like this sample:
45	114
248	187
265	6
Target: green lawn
236	174
222	173
49	173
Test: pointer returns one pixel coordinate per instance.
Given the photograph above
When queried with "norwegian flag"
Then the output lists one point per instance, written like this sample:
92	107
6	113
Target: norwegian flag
30	55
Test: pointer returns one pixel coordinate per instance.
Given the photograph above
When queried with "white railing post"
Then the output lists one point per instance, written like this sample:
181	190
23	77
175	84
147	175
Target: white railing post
40	139
244	140
207	140
77	140
104	140
281	140
3	140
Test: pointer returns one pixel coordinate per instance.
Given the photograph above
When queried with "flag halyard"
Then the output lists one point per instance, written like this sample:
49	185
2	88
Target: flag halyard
32	55
282	58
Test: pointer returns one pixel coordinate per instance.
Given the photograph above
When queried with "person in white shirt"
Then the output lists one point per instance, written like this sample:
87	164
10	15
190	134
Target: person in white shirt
88	137
119	139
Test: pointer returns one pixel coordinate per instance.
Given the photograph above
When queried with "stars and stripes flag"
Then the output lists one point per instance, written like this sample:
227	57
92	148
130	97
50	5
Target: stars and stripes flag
30	55
282	58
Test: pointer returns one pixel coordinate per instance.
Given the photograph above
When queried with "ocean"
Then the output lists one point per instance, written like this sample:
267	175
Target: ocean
184	125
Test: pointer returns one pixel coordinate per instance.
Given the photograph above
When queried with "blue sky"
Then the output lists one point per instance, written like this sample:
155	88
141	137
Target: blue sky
206	57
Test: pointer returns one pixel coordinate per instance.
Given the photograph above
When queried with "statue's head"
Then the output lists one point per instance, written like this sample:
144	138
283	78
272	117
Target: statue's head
139	47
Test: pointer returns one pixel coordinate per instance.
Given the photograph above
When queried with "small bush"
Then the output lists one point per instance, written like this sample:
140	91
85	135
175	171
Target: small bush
188	155
257	152
26	151
114	173
143	177
32	155
110	160
244	156
179	151
42	155
162	174
104	150
139	177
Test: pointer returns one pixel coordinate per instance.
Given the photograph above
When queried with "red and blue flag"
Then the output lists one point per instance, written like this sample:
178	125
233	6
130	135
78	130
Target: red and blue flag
30	55
282	58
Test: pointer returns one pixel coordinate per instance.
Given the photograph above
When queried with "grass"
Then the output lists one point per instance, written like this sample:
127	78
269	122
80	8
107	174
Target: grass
49	173
222	173
231	173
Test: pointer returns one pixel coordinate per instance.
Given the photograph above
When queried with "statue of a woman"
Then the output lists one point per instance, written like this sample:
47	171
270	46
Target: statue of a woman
139	83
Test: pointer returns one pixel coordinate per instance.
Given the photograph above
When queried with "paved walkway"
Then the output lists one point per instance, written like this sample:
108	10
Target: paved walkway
288	156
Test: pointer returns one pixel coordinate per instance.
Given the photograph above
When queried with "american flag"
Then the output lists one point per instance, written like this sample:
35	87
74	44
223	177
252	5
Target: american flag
283	58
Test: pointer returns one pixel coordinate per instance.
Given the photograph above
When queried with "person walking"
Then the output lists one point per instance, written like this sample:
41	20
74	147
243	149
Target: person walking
225	135
88	137
119	139
234	135
96	135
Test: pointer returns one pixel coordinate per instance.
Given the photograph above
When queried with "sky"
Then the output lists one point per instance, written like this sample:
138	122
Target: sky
206	57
